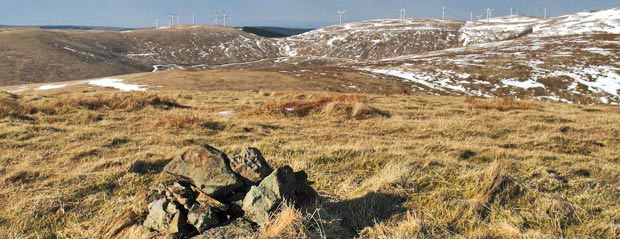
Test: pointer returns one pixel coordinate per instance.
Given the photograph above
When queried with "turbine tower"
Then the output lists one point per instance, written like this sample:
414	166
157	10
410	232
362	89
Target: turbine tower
170	20
194	19
224	16
403	13
443	12
178	20
471	16
340	13
156	23
489	14
216	18
545	12
510	11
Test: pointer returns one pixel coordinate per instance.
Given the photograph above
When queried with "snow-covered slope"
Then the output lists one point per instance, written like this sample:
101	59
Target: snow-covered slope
510	27
375	39
596	22
572	69
496	29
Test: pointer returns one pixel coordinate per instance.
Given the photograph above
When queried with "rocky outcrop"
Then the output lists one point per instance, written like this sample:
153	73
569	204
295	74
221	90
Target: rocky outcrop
209	198
282	184
250	164
206	168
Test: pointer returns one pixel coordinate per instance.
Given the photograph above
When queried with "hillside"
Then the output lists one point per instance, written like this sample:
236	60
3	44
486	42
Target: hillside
375	39
511	27
570	58
571	69
48	56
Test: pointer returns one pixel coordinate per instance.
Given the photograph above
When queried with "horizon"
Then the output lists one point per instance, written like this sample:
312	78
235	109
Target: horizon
269	13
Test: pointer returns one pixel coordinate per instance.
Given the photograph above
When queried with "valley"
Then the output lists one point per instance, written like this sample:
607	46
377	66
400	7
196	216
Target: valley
386	128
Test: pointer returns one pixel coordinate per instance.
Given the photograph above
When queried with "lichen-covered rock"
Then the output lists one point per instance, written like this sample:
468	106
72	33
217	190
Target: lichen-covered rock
250	164
203	217
238	228
166	216
282	184
258	203
208	169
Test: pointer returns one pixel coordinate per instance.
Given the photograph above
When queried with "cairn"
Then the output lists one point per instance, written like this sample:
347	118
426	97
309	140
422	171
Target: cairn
217	197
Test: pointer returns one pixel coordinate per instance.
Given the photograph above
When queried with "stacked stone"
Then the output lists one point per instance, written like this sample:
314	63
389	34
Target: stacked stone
217	197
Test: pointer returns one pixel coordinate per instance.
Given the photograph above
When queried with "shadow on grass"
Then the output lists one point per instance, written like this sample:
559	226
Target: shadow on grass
366	211
143	167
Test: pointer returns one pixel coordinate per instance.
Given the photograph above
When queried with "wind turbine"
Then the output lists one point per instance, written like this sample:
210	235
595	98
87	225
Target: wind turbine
403	13
216	18
471	16
170	19
510	11
194	19
224	16
545	12
178	20
340	13
489	14
443	12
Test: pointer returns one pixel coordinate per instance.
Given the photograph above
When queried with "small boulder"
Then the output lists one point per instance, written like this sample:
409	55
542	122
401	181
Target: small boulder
282	184
258	203
250	164
166	216
208	169
203	217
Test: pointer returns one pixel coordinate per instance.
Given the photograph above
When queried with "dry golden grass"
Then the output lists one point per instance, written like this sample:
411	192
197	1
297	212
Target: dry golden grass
437	168
287	223
501	104
348	106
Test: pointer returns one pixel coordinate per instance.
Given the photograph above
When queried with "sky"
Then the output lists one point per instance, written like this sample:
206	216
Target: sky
283	13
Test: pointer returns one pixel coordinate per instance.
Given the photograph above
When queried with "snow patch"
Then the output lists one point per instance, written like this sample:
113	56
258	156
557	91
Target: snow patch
226	112
50	87
523	84
117	84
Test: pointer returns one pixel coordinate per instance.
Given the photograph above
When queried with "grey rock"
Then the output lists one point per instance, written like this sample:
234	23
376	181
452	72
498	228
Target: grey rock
282	184
202	217
259	203
250	164
208	169
165	216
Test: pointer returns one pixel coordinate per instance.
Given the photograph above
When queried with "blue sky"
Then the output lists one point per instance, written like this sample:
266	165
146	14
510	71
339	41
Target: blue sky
286	13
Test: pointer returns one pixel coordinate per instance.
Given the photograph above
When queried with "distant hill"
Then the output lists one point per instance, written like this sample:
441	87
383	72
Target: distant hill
70	27
376	39
275	32
32	55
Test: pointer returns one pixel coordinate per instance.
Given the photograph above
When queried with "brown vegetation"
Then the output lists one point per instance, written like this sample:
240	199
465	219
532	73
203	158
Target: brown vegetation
348	106
12	106
501	104
432	170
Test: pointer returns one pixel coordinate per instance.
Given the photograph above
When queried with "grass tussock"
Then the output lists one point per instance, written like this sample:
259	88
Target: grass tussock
500	104
347	106
406	226
122	101
12	105
287	223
